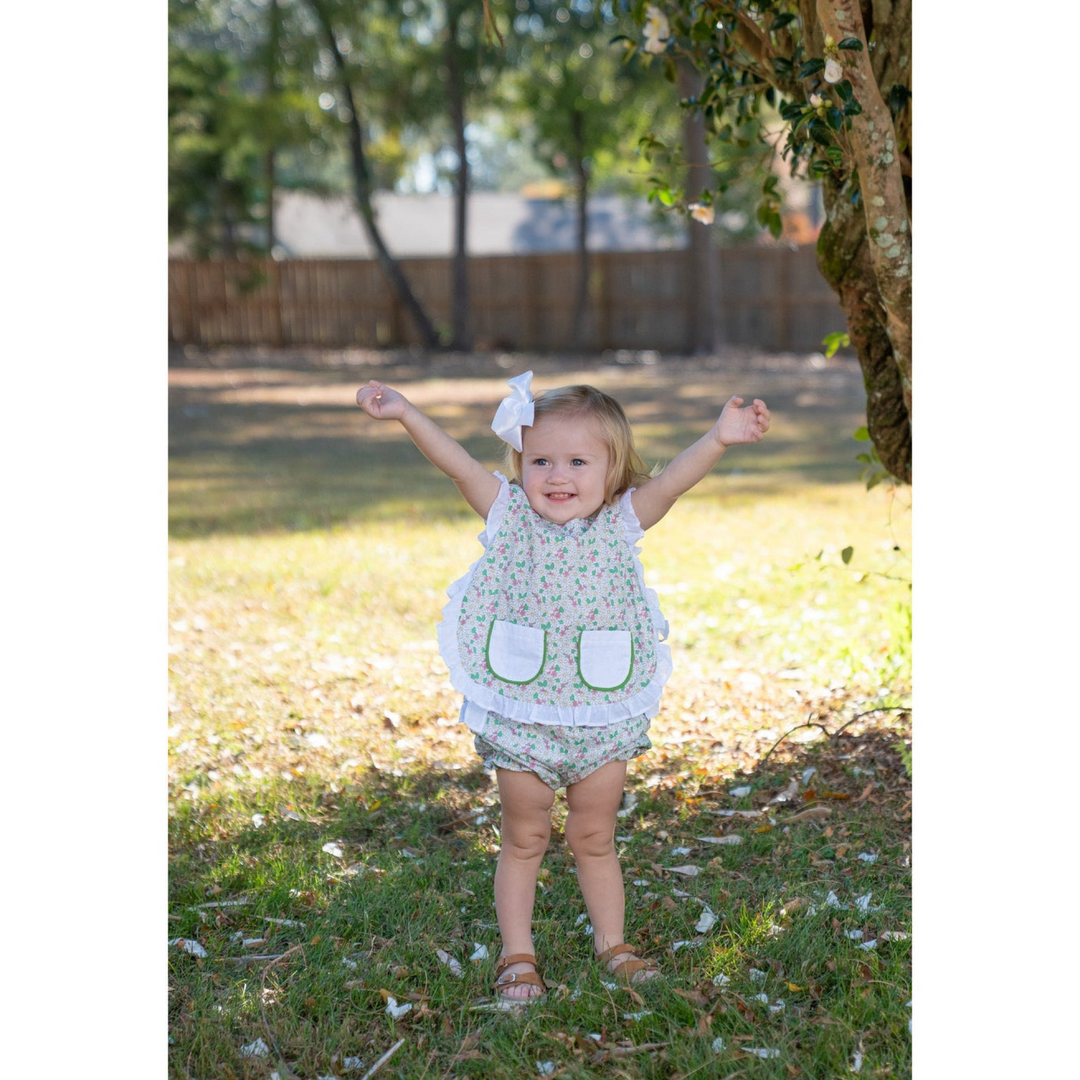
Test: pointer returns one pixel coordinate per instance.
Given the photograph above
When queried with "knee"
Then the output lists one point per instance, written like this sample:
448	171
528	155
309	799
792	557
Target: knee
526	843
588	837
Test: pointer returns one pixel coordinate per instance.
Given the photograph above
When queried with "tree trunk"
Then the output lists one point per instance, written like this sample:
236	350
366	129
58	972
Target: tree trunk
864	249
702	332
461	335
843	254
581	301
362	181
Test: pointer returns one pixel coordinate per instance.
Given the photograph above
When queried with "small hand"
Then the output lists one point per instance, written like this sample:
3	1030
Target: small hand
737	425
381	401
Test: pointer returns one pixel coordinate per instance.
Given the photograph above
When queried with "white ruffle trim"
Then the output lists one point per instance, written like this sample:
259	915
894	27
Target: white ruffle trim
480	699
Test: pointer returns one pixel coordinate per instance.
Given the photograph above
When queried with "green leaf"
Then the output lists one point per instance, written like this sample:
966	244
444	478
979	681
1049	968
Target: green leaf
852	108
834	117
665	196
819	132
846	554
834	341
820	168
811	67
863	434
790	109
843	88
835	156
852	44
782	66
776	225
898	98
782	20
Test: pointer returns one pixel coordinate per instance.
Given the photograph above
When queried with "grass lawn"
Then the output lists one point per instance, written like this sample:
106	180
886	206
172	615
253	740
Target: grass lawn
333	835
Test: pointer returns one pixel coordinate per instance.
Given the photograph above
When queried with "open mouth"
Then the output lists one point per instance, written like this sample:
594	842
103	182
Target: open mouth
560	496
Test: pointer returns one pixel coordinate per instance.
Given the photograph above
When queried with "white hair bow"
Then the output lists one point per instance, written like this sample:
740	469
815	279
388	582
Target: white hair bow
515	411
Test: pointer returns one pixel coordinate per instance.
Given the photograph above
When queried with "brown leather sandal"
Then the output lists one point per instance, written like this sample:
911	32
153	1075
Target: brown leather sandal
513	978
626	971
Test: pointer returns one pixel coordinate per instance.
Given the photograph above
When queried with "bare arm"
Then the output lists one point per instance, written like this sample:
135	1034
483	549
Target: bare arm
478	486
655	498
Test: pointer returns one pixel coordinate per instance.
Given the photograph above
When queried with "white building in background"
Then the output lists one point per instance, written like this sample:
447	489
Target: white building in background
308	226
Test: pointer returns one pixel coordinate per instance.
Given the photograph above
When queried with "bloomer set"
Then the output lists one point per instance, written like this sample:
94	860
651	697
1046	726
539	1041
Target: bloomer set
555	642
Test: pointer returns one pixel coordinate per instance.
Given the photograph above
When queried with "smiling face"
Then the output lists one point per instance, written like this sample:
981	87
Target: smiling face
564	466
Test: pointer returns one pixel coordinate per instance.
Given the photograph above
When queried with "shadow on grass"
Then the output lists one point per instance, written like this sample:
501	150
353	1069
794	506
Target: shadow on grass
413	876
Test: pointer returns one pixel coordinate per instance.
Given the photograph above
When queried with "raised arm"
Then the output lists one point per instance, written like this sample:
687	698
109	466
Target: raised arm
657	496
478	486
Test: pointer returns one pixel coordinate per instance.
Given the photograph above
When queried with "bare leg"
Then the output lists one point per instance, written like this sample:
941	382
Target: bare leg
590	832
526	827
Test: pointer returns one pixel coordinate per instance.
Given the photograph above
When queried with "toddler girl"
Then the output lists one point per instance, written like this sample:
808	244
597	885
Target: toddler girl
553	638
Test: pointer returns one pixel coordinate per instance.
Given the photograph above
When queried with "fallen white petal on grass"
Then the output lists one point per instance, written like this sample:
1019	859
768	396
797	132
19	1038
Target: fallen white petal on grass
258	820
866	857
450	962
333	848
735	813
624	839
777	1006
733	838
479	953
763	998
396	1011
629	801
292	815
718	1045
637	1015
640	882
833	901
807	773
894	935
789	792
256	1049
352	1063
189	945
856	1062
686	871
707	921
720	980
351	964
762	1051
283	922
740	792
855	935
677	945
757	975
684	895
546	1068
866	945
681	851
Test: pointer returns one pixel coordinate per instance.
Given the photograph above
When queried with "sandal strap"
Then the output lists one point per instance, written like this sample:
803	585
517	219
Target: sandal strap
511	978
517	958
615	950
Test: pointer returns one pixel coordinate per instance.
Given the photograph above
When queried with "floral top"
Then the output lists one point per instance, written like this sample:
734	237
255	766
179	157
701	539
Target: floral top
554	624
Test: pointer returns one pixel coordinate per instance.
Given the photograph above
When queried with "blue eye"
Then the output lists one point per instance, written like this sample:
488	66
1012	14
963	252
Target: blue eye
577	461
540	461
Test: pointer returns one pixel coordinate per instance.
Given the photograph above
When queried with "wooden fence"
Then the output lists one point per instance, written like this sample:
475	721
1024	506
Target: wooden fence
772	298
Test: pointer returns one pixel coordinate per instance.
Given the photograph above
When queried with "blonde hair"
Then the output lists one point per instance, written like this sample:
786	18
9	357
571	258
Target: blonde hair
625	467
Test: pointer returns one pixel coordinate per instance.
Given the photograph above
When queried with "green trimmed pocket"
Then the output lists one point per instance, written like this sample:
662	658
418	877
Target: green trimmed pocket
515	653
